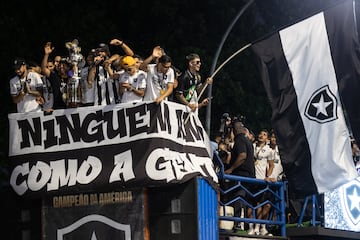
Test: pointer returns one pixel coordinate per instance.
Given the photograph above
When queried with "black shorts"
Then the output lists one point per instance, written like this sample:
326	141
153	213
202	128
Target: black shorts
262	197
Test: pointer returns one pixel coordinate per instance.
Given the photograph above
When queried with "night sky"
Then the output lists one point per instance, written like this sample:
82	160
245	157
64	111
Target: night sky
180	27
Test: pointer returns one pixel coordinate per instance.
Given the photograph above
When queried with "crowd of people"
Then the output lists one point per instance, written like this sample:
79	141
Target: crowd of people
244	154
102	78
256	156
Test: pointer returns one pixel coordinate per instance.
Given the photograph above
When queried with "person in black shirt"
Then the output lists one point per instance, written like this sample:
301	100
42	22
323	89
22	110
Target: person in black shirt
241	164
58	79
242	153
190	84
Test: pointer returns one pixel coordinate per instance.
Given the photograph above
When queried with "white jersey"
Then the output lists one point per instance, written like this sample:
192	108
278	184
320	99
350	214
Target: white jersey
88	94
157	82
47	94
105	89
137	81
262	155
278	169
28	104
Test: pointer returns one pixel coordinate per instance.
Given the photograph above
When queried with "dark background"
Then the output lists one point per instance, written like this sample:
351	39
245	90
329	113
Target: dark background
180	27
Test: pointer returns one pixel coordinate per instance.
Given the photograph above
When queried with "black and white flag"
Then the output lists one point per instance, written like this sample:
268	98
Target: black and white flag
310	71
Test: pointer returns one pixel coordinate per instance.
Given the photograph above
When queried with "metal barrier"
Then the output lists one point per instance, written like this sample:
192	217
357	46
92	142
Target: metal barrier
315	211
276	189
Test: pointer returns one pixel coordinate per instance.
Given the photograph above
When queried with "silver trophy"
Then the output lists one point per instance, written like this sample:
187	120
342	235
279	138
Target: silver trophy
73	88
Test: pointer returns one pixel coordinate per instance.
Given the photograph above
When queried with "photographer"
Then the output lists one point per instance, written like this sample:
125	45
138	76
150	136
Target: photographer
105	86
224	154
25	88
102	76
225	125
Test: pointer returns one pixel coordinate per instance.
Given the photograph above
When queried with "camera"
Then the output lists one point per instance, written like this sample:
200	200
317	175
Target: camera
99	56
102	51
97	52
239	118
226	123
223	155
24	88
64	60
26	82
225	118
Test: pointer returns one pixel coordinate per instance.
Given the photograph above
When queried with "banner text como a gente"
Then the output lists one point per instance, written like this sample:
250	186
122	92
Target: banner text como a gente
106	147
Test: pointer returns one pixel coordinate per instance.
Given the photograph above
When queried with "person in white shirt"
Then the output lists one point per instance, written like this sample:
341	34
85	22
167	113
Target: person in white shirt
278	171
263	154
160	76
264	165
132	81
47	93
88	92
25	88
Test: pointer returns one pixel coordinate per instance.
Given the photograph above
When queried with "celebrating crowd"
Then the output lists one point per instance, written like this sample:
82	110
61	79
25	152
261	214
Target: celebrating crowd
244	154
256	156
101	78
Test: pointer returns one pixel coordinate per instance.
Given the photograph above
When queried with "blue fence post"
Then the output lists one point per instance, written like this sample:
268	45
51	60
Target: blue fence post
301	217
207	211
283	211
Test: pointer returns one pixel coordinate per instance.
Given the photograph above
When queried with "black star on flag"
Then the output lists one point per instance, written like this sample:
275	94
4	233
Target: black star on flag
322	106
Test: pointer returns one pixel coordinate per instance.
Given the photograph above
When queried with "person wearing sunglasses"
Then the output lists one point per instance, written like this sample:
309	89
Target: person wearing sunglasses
160	76
190	84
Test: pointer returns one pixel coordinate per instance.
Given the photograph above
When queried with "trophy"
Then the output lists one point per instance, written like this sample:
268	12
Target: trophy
73	88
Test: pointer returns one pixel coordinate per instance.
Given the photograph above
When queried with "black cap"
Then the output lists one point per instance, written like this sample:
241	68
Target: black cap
18	62
103	47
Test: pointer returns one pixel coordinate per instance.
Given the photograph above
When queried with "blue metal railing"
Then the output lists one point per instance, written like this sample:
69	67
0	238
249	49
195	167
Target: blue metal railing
315	211
275	189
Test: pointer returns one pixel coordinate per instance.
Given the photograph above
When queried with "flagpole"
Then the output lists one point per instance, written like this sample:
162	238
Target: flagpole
217	70
355	20
208	109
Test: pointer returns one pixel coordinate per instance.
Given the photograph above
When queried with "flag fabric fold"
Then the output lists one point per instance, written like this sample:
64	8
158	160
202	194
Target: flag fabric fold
310	71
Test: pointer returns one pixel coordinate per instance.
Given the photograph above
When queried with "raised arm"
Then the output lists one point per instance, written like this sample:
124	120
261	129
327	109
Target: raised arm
156	54
128	51
48	49
108	67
